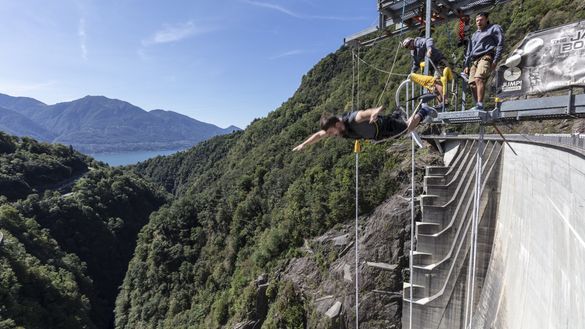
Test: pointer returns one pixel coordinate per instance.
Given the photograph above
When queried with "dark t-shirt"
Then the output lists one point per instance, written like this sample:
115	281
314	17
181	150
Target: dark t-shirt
384	127
357	130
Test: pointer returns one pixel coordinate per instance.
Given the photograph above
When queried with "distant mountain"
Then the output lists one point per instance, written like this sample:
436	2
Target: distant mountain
232	128
18	124
23	105
100	124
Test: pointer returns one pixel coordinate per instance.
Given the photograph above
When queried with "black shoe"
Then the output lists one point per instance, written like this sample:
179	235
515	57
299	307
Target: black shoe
427	113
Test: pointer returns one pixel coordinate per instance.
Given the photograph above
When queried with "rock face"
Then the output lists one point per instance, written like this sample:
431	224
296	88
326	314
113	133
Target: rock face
257	318
579	126
261	300
325	274
325	277
384	241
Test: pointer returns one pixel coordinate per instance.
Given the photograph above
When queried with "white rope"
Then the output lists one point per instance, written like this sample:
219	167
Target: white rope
355	100
388	78
380	70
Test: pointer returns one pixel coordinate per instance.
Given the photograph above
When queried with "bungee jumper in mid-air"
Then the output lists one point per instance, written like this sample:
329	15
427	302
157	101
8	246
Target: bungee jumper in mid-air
368	124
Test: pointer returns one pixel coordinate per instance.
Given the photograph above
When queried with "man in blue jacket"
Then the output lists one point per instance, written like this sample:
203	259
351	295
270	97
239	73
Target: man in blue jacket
421	47
483	52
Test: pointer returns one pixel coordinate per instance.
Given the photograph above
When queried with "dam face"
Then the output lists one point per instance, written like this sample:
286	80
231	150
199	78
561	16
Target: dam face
536	276
530	266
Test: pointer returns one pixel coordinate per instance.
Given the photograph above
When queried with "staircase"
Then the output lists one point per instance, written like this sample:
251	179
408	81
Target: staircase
441	256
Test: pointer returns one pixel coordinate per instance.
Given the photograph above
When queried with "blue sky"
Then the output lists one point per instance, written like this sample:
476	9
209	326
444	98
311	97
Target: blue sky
222	61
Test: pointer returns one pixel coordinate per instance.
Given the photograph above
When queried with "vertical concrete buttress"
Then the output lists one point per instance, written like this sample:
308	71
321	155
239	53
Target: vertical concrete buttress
530	267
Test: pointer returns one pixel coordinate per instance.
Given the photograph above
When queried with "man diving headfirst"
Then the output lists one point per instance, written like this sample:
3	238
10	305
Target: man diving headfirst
367	124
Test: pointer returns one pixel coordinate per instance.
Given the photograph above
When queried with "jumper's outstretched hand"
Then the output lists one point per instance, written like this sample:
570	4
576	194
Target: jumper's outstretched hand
314	138
298	148
375	113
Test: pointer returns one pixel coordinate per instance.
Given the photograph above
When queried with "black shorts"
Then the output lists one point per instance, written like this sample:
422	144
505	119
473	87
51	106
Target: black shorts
389	126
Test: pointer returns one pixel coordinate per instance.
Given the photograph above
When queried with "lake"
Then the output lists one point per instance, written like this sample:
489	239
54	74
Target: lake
131	157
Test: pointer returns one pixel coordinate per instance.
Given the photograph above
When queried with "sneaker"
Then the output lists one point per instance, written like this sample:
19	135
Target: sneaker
477	108
428	113
416	138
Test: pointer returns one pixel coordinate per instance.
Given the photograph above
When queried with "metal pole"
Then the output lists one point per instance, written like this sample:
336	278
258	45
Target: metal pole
427	32
477	198
463	89
412	90
455	91
407	109
468	283
353	60
412	147
357	89
357	286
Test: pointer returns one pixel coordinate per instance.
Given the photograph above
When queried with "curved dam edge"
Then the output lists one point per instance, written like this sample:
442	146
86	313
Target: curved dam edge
536	275
531	243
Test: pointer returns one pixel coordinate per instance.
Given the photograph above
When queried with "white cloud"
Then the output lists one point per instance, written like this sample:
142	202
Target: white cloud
20	88
291	13
273	7
176	32
288	53
82	38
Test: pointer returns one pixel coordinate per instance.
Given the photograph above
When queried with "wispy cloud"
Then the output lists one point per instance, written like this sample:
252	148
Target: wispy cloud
21	88
273	7
291	13
82	38
288	54
177	32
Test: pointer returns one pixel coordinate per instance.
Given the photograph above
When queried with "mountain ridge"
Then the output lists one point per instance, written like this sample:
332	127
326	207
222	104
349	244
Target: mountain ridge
95	124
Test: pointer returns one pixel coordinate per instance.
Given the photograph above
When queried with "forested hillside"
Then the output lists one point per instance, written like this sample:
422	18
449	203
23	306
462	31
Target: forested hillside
245	203
64	254
27	166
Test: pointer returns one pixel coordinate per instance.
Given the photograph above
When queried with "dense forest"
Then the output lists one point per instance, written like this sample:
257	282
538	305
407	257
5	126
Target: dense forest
68	234
186	241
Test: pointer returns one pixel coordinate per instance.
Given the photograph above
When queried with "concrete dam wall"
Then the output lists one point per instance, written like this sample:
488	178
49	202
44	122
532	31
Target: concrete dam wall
530	262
